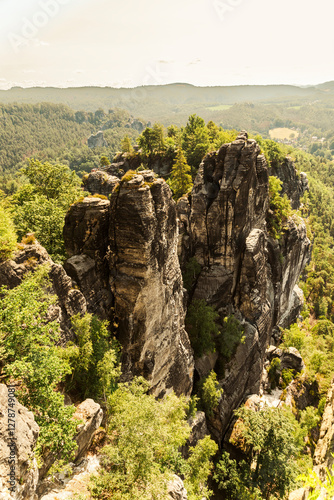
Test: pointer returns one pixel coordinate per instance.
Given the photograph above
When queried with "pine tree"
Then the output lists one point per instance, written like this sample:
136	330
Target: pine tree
180	179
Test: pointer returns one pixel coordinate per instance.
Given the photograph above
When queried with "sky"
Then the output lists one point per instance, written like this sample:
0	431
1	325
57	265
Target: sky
128	43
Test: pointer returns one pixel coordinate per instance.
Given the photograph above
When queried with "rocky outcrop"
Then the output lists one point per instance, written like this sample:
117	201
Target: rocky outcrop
97	140
90	415
176	489
86	240
147	284
294	184
70	300
323	453
133	266
245	271
18	438
100	182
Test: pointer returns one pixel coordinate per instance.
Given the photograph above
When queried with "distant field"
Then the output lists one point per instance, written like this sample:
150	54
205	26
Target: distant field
283	133
221	107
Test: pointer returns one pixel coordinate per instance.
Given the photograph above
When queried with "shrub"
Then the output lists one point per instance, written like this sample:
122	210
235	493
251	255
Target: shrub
210	393
7	235
232	334
280	208
29	356
201	327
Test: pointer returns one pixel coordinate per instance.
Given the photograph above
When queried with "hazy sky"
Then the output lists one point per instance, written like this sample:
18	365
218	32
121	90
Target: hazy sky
138	42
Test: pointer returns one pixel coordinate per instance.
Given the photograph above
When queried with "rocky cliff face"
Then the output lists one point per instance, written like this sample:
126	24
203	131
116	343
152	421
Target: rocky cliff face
124	256
244	270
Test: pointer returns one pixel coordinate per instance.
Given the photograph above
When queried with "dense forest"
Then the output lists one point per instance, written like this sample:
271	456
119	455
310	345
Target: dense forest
43	157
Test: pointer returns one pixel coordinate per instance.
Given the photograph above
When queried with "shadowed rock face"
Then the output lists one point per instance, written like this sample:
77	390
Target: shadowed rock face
147	284
124	254
244	271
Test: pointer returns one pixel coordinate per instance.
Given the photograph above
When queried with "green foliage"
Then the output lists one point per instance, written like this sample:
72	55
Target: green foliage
230	478
232	334
311	480
210	393
95	360
31	359
195	141
40	206
104	161
274	372
199	468
146	435
192	270
287	377
7	234
280	208
152	139
180	179
126	145
274	441
201	327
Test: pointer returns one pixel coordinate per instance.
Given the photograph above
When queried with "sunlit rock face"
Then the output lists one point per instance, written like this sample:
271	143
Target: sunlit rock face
244	270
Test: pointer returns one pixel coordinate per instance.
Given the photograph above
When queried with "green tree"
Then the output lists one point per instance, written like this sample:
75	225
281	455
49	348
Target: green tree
209	393
152	139
180	179
273	440
31	359
126	145
40	206
95	360
146	435
201	327
104	161
198	469
280	208
195	141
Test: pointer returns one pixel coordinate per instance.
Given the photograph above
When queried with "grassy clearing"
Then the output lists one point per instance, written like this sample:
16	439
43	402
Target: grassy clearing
220	107
283	133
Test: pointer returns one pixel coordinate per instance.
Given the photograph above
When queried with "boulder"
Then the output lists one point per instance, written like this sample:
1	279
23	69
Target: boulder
91	415
176	489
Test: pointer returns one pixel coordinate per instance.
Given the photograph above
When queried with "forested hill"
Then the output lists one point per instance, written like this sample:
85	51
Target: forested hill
56	132
90	98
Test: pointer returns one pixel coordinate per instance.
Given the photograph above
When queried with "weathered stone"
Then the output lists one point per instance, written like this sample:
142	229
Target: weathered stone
25	437
323	453
100	182
176	489
86	227
86	241
244	271
91	415
206	363
97	140
294	185
147	284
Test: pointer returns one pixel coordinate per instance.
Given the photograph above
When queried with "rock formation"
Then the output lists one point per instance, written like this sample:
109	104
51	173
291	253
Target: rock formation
294	184
244	270
18	447
145	284
70	300
97	140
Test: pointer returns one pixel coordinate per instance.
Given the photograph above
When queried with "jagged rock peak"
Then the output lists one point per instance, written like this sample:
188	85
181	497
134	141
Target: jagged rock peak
146	281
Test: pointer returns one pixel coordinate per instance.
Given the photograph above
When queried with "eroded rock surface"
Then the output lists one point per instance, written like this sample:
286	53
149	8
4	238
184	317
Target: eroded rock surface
25	472
245	271
146	281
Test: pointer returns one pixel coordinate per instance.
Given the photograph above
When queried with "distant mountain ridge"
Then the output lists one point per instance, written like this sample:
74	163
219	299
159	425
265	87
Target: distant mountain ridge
90	98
